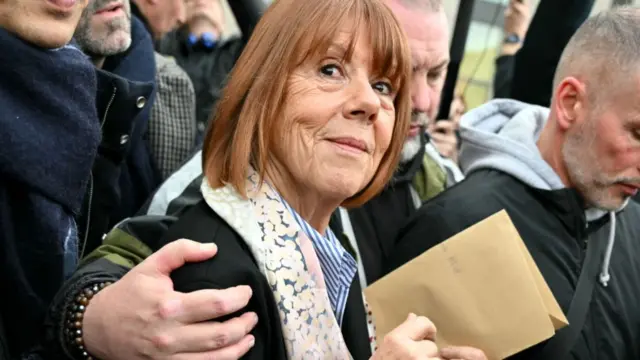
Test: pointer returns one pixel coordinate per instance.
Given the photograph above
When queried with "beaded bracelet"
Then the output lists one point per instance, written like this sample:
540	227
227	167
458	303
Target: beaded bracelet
75	317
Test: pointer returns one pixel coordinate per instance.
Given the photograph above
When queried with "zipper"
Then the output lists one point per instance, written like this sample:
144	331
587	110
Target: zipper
583	235
106	111
89	204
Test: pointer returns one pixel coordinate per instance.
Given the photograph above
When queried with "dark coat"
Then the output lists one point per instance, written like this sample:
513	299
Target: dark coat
124	173
139	176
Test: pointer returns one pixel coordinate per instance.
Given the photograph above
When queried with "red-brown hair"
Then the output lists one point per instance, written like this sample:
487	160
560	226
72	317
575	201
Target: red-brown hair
288	34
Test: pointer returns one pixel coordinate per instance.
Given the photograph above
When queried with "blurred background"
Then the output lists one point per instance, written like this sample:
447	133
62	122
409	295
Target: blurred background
485	35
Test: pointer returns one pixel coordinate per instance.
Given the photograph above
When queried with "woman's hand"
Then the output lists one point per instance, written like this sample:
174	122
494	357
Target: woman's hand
412	340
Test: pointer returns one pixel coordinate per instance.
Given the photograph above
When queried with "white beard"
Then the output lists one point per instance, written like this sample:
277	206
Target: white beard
410	149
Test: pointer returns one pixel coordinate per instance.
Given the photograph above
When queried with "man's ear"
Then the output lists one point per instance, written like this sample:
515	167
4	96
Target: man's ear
570	99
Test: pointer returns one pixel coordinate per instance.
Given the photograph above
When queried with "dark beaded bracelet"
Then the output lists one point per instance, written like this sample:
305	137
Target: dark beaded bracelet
75	317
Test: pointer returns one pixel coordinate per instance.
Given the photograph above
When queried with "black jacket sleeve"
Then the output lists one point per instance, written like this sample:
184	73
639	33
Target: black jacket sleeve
503	76
553	24
123	248
96	272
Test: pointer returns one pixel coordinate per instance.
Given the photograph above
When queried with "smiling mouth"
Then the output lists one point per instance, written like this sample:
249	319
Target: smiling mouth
351	144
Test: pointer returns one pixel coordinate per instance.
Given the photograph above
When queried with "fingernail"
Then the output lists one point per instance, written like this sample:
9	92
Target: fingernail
252	342
208	247
411	316
248	288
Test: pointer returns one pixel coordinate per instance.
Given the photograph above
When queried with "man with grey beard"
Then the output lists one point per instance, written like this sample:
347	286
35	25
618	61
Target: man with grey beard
161	132
423	173
565	176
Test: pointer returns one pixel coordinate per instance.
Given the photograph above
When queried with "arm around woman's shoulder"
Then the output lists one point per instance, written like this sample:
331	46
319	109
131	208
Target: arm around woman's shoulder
232	266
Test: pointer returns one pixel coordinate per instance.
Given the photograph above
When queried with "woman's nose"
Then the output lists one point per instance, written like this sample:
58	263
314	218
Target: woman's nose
364	102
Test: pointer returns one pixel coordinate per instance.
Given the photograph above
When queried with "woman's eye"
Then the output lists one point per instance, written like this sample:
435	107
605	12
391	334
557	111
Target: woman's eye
331	70
434	76
383	88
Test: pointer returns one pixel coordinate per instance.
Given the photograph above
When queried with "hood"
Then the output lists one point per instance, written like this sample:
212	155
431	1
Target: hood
502	135
49	127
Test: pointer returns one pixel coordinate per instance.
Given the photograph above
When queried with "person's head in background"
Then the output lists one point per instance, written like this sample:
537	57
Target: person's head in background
592	137
45	23
104	29
205	16
427	29
162	15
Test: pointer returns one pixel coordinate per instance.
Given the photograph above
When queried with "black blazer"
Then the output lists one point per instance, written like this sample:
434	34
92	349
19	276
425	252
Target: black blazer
234	265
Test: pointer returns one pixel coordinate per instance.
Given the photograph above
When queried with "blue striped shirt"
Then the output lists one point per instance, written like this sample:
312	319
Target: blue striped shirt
338	266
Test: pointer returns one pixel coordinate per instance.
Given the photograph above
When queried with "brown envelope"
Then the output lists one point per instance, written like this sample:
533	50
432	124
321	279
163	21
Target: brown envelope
481	288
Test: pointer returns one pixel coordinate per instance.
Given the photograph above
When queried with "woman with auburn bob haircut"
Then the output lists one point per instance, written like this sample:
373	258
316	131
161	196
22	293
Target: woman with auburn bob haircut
313	116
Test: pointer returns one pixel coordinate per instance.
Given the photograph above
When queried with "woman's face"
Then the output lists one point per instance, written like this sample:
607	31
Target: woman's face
45	23
338	121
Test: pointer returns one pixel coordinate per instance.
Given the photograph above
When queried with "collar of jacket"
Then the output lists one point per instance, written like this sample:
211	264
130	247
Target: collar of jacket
137	65
182	37
114	100
49	127
566	204
569	206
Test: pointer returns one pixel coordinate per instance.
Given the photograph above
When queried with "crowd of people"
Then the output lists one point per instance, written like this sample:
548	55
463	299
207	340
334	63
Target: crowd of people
169	192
